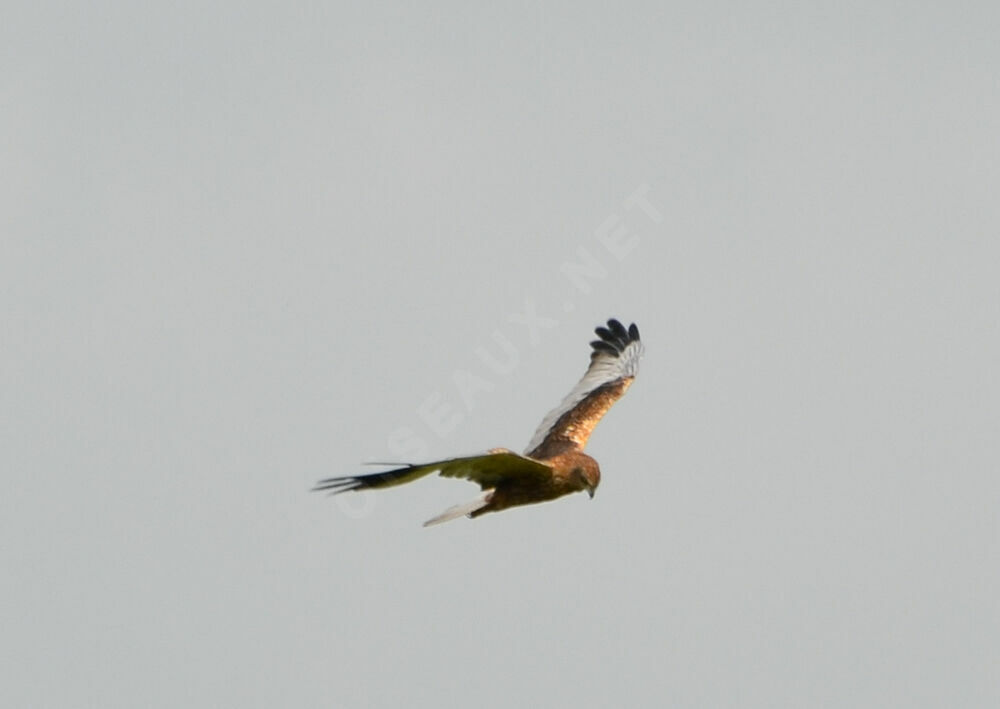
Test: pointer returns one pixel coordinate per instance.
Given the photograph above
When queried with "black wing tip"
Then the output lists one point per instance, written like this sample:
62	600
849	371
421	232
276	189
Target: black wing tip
614	338
602	346
336	486
608	335
617	328
347	483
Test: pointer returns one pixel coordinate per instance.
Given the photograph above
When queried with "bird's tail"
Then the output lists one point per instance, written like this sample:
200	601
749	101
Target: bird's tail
463	509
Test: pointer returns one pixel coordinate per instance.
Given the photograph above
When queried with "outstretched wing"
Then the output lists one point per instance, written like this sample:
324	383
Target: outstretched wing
613	365
487	470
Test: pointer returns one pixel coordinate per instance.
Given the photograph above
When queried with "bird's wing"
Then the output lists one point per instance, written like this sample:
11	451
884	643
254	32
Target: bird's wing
487	470
613	365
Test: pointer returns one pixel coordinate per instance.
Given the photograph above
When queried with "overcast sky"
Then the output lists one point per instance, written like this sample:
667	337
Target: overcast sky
249	245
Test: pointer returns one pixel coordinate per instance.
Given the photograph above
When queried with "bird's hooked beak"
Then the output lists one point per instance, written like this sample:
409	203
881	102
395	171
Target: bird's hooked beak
590	491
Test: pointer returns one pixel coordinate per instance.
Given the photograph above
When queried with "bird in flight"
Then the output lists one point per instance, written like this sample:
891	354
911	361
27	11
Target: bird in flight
554	463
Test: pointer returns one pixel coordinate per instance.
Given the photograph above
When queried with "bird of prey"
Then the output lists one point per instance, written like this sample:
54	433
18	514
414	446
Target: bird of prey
554	463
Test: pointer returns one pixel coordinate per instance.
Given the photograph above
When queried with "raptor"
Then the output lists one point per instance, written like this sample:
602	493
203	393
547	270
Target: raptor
553	463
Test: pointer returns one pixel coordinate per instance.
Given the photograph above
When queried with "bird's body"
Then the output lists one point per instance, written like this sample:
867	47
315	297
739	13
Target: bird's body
554	464
570	472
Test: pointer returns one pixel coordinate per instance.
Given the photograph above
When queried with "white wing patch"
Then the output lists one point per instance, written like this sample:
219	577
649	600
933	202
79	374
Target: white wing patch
466	508
616	356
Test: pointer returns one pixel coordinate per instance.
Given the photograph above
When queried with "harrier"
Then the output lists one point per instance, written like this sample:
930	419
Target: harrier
554	463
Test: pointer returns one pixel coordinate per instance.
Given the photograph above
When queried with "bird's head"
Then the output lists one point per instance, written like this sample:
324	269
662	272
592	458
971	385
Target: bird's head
589	474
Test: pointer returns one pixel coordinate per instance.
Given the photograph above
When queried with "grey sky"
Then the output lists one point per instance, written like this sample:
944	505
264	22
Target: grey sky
246	246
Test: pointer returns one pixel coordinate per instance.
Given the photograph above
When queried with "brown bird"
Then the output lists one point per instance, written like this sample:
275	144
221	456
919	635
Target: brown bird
554	463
